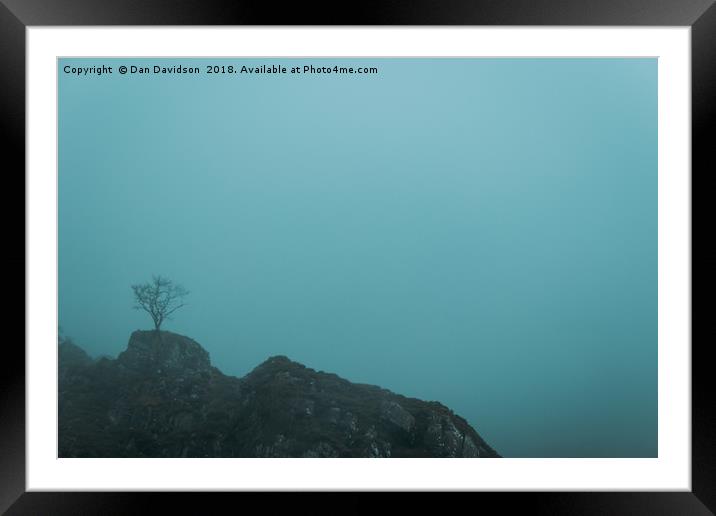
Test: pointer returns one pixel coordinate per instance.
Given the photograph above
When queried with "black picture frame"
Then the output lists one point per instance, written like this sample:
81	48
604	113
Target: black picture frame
700	15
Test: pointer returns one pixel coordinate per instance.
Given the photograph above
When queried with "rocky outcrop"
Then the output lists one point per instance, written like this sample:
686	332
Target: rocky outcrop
166	352
163	398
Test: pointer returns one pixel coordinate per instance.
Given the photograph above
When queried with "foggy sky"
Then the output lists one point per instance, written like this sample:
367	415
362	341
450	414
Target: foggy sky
480	232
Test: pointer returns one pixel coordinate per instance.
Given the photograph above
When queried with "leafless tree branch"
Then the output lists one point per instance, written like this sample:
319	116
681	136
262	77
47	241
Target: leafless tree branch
159	298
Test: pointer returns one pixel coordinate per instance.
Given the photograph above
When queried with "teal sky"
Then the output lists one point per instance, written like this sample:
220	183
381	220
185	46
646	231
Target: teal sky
481	232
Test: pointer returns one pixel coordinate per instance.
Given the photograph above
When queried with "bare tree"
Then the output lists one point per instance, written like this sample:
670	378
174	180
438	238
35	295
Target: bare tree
159	299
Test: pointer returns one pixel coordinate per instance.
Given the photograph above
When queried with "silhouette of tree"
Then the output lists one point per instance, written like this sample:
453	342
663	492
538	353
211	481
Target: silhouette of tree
159	298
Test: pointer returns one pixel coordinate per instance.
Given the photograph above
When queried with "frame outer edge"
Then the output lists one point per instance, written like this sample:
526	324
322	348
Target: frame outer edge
12	373
703	126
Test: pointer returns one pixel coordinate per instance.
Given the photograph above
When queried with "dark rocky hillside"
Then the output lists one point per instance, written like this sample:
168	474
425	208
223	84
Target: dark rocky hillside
162	398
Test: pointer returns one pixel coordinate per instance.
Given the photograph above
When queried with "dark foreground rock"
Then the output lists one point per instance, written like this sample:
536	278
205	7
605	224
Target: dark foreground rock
163	398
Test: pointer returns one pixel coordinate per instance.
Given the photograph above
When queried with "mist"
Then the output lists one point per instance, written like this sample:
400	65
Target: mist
479	232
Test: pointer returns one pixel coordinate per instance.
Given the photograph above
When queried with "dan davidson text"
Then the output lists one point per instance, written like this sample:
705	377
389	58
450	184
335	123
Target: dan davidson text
164	69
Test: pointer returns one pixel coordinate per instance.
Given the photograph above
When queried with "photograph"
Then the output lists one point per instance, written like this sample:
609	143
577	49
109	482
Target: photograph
385	257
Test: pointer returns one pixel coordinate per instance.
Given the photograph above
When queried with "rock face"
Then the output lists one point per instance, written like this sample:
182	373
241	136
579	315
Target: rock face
162	398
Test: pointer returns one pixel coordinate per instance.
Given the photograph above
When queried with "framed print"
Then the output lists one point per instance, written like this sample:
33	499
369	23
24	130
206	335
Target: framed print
403	250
